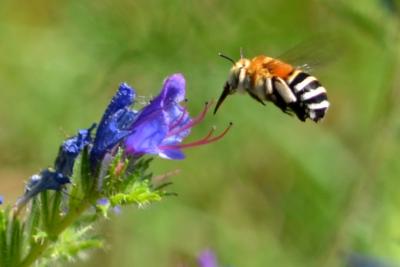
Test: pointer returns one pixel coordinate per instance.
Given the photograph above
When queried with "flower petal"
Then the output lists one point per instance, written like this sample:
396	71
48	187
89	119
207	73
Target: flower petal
172	92
174	154
103	201
174	88
148	135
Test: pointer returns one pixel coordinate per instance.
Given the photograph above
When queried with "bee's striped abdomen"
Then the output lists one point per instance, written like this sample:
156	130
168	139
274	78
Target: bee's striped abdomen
312	100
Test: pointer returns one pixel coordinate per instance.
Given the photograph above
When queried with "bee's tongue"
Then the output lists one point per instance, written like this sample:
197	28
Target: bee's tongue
221	99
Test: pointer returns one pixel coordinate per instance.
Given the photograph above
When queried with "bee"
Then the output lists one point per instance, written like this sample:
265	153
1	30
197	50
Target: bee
268	79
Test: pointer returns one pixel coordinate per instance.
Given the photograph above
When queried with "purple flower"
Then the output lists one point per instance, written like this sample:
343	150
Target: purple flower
104	203
157	129
1	200
207	259
162	125
115	124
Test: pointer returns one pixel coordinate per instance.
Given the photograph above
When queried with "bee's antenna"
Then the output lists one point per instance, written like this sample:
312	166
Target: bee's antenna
241	53
226	57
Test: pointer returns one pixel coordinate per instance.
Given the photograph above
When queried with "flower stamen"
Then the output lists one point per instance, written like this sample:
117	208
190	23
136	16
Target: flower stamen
194	121
205	140
180	119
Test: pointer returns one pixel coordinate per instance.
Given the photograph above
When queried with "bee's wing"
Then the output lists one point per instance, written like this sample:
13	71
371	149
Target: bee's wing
315	52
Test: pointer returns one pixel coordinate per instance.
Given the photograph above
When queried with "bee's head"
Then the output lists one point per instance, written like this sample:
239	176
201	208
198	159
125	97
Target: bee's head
237	74
235	79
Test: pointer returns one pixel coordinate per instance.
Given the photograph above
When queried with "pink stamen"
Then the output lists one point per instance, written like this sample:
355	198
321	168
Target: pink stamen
210	133
194	121
205	140
180	119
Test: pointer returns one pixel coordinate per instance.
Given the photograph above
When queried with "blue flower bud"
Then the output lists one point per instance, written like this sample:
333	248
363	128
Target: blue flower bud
70	150
115	123
47	179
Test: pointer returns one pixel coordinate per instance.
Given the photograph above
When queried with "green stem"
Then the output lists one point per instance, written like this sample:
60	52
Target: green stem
39	248
56	224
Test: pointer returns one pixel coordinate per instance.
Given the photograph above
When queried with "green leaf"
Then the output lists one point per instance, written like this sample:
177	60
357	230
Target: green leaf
141	194
40	236
73	241
3	238
33	220
16	241
56	207
45	209
103	209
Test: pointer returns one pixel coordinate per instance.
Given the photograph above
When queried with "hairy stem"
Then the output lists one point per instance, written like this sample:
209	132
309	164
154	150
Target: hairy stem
39	248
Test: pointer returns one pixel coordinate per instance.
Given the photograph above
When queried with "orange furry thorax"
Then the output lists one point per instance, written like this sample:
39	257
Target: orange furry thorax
263	66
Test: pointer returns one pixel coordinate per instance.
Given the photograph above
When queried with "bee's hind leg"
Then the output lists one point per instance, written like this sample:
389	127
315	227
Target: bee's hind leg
281	104
254	96
299	111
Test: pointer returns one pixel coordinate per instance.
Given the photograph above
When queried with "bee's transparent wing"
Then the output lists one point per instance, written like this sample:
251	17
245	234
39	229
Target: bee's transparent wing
315	52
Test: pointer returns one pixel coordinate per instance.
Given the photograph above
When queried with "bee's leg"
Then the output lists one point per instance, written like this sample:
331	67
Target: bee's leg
287	111
254	96
283	89
277	99
298	110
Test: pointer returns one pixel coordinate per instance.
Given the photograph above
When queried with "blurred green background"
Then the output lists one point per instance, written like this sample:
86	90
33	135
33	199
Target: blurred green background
274	191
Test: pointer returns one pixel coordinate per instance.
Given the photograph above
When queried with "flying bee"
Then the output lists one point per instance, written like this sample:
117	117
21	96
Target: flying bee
268	79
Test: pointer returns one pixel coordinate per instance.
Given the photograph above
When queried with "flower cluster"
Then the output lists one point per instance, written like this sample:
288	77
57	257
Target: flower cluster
106	169
157	129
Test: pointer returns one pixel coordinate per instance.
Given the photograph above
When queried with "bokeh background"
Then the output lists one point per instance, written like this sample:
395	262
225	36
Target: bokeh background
275	191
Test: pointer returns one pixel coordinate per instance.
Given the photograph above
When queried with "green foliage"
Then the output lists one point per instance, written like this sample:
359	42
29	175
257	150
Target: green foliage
140	193
127	182
74	241
49	233
11	245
